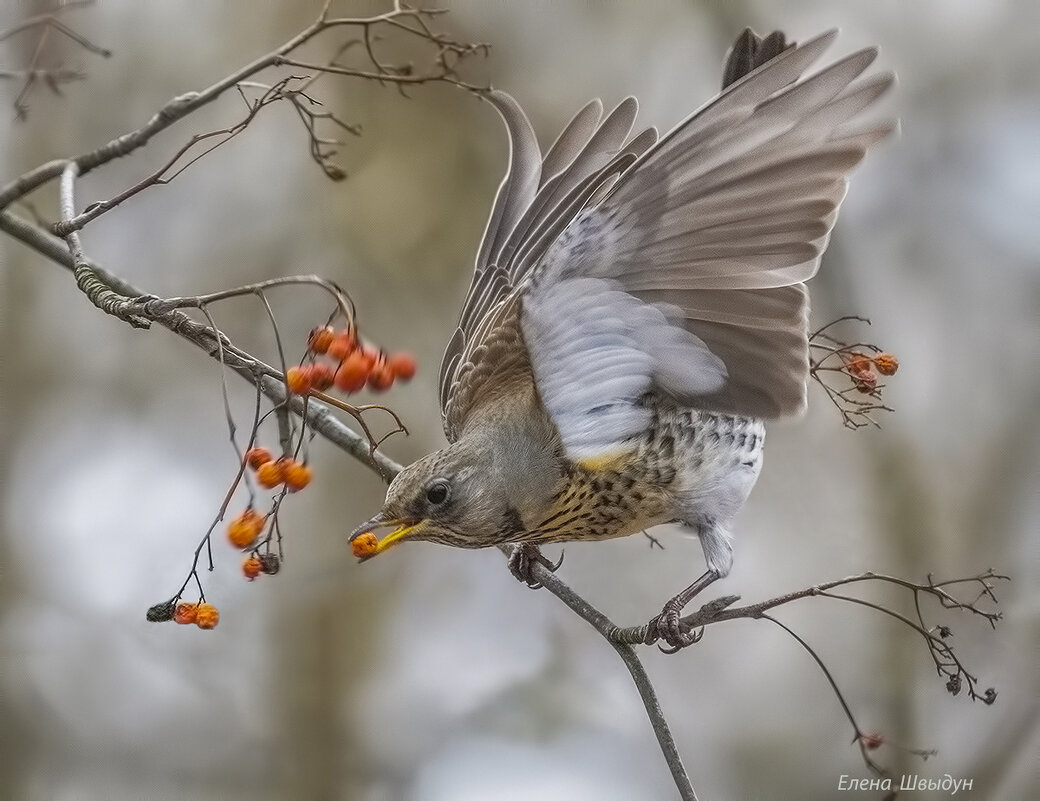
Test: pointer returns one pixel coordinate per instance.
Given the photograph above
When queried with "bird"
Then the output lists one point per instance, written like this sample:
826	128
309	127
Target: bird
638	310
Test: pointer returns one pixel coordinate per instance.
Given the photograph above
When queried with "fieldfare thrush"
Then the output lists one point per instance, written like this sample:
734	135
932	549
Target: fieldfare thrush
637	310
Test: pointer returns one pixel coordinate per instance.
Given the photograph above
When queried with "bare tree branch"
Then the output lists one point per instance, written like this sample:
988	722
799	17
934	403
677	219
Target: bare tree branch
318	416
400	17
52	78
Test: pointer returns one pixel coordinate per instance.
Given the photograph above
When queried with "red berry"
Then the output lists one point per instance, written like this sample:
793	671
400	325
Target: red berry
320	339
244	529
402	365
381	378
322	377
257	457
856	362
865	381
207	616
297	476
270	475
185	613
352	373
251	567
299	380
372	355
886	363
343	344
364	545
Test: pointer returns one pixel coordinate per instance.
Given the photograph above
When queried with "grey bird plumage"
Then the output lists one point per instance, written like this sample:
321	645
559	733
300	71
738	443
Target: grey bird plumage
638	307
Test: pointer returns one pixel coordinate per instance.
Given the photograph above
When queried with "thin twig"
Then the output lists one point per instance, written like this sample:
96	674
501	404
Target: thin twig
185	104
550	581
318	416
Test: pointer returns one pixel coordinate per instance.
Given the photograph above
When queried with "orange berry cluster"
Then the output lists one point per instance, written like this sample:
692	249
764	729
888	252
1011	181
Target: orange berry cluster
357	365
859	367
271	472
202	614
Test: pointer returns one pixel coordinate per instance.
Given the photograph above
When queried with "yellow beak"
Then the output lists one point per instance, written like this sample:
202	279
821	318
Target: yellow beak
398	534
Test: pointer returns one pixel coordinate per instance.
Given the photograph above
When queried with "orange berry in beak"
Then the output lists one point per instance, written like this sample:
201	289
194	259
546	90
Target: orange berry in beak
364	545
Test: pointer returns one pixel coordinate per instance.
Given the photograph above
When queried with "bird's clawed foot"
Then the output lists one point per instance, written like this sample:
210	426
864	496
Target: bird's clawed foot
523	559
668	626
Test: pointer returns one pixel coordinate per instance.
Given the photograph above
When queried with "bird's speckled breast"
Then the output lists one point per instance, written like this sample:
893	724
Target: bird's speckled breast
684	451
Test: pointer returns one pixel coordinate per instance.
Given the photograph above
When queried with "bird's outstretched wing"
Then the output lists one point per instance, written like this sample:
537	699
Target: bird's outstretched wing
680	268
536	201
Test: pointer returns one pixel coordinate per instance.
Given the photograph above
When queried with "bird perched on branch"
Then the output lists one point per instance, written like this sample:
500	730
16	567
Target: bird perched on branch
638	308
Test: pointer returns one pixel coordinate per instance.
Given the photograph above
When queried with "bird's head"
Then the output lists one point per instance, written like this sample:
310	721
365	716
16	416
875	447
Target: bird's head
451	496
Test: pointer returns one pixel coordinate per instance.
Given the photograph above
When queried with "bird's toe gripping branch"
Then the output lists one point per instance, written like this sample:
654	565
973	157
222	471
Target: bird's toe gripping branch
669	627
522	560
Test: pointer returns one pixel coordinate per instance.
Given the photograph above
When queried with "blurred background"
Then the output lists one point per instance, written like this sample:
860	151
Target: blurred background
430	673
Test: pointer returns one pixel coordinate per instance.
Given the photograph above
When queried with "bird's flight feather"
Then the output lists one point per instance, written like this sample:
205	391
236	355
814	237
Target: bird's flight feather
610	269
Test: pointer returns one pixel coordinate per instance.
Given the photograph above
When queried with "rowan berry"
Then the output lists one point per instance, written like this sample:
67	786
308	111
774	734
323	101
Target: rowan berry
299	380
322	377
402	365
381	378
297	475
185	612
364	545
244	529
271	474
207	617
343	344
320	339
352	373
257	457
886	363
270	563
856	362
372	356
872	741
251	567
865	381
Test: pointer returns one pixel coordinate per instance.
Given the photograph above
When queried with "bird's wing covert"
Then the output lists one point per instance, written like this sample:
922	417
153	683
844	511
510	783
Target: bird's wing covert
536	200
674	266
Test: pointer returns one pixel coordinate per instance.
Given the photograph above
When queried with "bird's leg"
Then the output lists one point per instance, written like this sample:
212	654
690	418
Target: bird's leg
668	625
523	559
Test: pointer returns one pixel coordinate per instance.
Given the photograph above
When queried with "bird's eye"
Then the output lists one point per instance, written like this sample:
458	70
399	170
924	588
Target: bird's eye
437	493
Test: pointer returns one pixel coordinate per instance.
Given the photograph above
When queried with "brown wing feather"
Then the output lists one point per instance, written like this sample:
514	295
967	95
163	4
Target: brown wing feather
535	202
717	224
